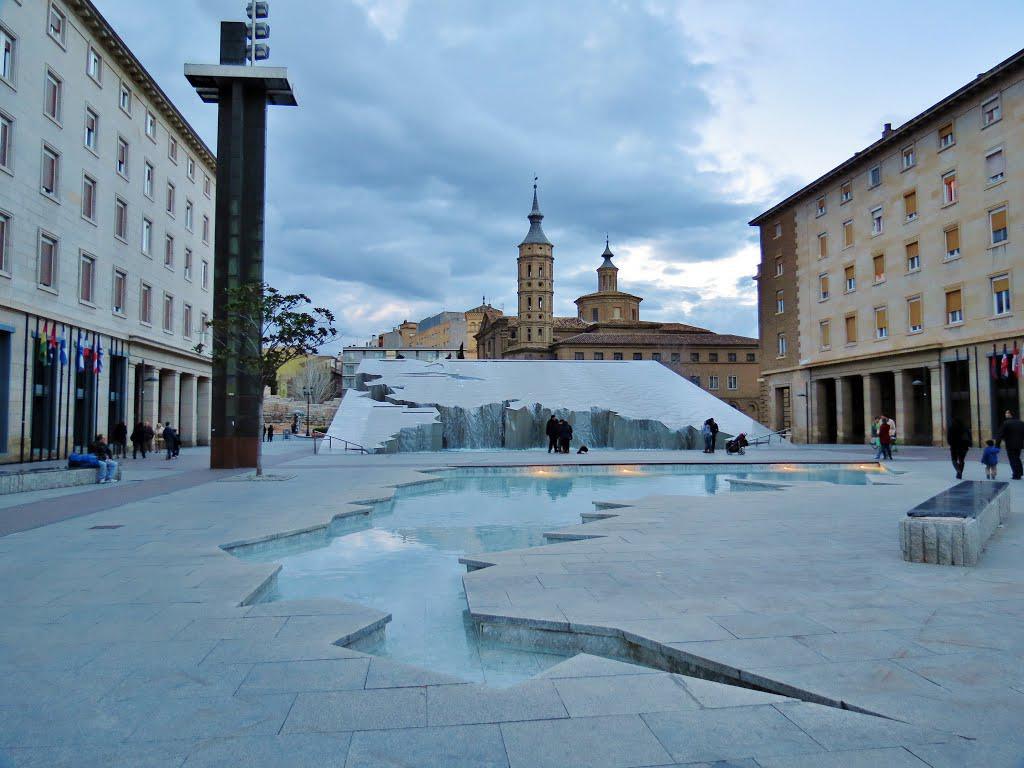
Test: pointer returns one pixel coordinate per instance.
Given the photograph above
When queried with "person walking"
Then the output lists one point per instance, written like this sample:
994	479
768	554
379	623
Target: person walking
119	439
1012	433
108	467
169	437
959	439
990	458
713	427
884	440
705	432
270	433
148	433
551	430
139	440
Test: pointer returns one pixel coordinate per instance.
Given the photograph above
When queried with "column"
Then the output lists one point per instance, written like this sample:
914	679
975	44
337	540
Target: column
872	401
168	397
844	422
187	409
906	429
203	395
935	395
819	418
151	396
130	417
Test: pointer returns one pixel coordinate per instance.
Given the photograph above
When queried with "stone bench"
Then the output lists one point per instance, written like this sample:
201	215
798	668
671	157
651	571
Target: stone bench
952	527
24	480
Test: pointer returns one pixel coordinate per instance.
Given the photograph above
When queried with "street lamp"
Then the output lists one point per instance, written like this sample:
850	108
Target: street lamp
309	394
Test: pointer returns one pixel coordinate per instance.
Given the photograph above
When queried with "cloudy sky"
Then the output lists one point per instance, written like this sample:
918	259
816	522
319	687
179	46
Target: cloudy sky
401	184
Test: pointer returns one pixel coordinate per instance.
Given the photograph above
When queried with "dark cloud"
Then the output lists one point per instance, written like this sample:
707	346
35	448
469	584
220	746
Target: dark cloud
407	167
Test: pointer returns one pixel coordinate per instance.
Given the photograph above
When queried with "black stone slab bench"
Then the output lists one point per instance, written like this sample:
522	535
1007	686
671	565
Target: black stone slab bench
952	527
23	480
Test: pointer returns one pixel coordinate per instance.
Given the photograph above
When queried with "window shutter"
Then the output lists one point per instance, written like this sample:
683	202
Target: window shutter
998	219
851	328
879	262
952	238
914	307
913	249
824	284
849	272
1000	284
995	164
881	318
823	245
910	203
954	302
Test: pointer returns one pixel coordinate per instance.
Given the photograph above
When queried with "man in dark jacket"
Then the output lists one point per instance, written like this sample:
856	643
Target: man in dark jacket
564	435
1012	433
119	439
170	439
551	430
713	426
959	439
139	440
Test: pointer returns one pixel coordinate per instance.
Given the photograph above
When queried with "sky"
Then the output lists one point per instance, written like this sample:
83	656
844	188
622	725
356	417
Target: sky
400	185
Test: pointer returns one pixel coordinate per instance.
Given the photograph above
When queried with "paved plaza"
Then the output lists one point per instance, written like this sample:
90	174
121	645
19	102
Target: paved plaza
129	637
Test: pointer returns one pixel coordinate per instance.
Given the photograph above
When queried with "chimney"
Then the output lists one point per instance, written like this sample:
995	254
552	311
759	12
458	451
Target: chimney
886	130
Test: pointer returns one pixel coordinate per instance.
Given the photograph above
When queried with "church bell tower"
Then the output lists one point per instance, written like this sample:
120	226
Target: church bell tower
536	288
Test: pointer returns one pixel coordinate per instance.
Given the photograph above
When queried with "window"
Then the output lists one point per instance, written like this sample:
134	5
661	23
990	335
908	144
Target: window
952	242
731	357
695	380
89	198
172	149
875	176
846	192
7	41
822	245
913	256
529	302
881	323
780	342
731	382
954	307
825	335
148	180
86	277
599	355
674	357
850	275
145	304
908	157
205	275
991	112
751	357
53	93
712	357
638	355
207	186
823	288
120	219
51	172
946	136
851	329
995	166
616	355
147	237
656	357
187	269
819	207
778	230
847	233
170	197
540	302
47	275
778	267
577	355
878	261
204	324
997	225
6	141
876	221
188	215
190	168
1001	304
169	251
910	205
168	313
121	164
780	302
5	242
915	321
120	291
124	98
56	26
150	125
695	357
94	65
949	188
712	382
206	228
186	320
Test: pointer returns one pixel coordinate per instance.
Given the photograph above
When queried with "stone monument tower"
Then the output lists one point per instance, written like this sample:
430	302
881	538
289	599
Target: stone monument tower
536	290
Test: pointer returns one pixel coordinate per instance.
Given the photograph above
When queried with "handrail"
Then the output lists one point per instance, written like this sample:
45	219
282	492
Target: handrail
766	439
348	444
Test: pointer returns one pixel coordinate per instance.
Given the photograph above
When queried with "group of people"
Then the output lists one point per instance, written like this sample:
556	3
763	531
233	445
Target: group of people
559	432
709	431
1011	432
883	436
268	433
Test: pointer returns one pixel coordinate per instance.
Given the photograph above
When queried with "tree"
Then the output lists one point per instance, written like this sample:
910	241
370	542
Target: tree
272	328
316	378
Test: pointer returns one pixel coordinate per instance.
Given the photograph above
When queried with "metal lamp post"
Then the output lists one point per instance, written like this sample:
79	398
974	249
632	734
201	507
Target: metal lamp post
309	394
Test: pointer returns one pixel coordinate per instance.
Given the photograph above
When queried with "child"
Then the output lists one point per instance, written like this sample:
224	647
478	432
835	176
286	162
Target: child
990	458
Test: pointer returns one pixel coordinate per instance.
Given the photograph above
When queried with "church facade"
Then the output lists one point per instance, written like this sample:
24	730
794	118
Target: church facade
607	326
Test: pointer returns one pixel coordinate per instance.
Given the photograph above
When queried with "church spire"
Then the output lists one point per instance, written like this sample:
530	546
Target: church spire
536	234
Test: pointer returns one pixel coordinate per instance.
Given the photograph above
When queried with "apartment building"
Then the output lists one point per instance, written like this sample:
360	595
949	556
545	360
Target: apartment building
106	236
889	284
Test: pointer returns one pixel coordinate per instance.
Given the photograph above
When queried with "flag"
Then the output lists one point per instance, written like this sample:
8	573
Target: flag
993	363
98	357
1014	359
63	349
1020	362
52	352
1004	366
42	345
79	354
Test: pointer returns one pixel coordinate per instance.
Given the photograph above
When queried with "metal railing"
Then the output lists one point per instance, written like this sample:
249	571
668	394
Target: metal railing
766	439
347	445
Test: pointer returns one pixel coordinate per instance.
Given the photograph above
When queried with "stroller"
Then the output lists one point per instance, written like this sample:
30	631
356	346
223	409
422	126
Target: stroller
737	444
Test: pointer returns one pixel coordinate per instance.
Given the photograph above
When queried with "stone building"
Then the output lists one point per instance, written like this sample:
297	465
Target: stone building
106	226
608	327
889	283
